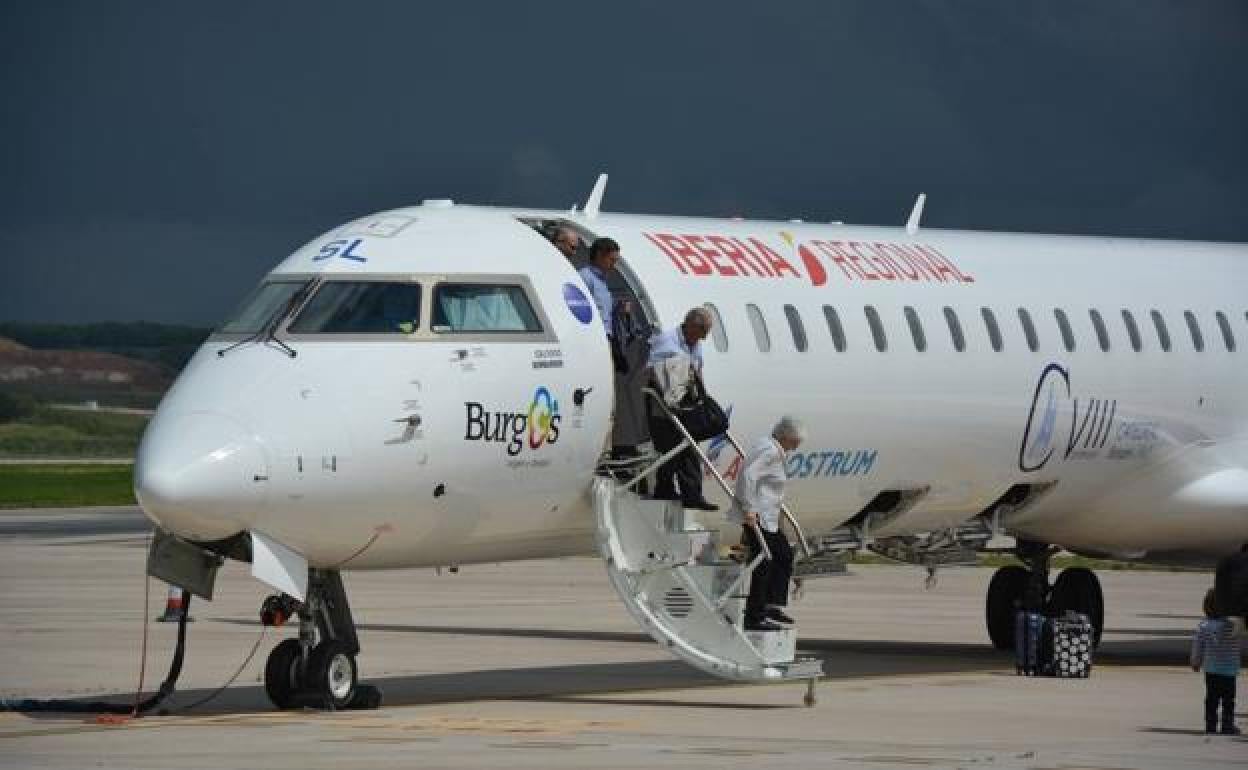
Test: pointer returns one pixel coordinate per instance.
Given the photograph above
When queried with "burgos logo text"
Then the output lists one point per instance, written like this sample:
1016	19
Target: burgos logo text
535	428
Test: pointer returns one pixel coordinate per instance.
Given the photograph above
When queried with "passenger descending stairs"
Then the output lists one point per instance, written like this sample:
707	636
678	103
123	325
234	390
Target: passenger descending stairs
667	569
672	574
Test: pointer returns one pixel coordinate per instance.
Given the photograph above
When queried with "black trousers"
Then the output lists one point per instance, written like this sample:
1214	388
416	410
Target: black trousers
683	469
1219	689
770	582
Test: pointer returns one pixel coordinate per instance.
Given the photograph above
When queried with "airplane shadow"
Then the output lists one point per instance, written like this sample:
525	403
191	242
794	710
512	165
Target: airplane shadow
1157	647
1173	731
588	683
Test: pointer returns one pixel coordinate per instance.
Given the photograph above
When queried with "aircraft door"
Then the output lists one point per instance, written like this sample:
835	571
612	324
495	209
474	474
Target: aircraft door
525	389
634	320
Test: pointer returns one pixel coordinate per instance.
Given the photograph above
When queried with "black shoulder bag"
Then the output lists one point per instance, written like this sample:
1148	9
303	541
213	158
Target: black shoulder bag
700	414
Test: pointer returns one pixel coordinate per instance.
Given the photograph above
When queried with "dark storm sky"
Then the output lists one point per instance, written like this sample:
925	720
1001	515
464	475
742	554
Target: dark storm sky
157	158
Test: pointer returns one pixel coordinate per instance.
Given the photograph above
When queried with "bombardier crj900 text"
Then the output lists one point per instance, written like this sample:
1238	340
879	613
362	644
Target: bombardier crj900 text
433	386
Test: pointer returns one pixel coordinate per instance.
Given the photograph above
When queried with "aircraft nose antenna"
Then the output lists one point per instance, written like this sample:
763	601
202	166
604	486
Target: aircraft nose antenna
200	475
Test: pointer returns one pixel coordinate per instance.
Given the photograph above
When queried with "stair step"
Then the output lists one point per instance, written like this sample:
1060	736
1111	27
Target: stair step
774	647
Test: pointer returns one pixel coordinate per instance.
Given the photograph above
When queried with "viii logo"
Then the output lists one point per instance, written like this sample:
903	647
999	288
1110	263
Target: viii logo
1090	422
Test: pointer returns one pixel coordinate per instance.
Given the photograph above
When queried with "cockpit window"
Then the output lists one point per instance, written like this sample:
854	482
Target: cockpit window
361	307
259	309
480	307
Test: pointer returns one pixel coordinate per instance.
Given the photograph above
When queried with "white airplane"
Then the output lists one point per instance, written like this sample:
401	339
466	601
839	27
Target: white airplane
432	386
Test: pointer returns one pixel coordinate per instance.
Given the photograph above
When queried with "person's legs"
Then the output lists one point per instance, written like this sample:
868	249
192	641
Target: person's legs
688	472
756	603
1227	692
665	438
780	570
1212	696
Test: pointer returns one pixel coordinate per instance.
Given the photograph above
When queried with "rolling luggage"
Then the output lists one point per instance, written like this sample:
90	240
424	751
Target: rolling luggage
1029	630
1071	653
1060	647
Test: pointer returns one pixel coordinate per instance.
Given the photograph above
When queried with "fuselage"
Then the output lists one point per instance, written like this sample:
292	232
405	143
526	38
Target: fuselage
930	361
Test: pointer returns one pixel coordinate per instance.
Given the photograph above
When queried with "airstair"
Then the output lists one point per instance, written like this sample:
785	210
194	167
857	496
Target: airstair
680	581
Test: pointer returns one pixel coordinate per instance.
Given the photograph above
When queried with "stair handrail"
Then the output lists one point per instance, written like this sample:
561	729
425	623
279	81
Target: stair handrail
758	532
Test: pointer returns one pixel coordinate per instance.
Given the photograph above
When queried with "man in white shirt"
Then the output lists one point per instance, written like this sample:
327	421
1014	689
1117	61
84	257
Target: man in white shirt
760	493
676	365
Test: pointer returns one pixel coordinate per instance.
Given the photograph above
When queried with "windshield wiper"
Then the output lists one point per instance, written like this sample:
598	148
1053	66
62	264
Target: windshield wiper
268	332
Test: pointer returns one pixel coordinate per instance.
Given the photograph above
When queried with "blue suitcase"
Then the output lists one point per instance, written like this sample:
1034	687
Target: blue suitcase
1029	647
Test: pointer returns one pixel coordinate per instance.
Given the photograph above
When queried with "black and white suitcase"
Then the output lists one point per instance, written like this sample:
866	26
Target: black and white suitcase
1070	646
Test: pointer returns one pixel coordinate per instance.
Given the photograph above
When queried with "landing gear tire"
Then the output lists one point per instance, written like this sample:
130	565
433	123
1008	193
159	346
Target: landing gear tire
1004	592
1078	589
281	673
332	673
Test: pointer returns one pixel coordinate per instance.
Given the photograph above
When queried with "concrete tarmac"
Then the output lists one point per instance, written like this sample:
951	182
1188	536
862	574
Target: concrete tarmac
536	664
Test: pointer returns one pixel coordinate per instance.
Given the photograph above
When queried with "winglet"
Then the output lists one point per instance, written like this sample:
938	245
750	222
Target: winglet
912	224
595	197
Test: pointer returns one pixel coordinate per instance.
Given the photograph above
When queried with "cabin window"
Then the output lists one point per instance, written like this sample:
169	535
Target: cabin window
1228	338
955	329
994	331
719	335
877	328
1133	331
834	328
482	307
1063	325
760	327
1163	334
1029	329
796	327
361	307
916	329
1102	334
1198	339
263	306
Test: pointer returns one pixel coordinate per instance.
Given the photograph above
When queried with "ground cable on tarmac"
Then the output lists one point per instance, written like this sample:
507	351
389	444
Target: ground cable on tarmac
68	706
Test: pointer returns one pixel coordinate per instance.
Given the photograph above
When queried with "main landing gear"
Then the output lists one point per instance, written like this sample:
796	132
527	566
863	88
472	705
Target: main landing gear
1027	587
318	669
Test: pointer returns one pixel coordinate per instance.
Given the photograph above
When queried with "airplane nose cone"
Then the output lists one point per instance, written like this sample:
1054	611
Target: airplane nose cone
201	476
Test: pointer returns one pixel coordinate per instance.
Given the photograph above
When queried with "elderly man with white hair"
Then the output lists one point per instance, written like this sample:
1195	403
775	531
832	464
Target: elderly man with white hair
760	493
676	365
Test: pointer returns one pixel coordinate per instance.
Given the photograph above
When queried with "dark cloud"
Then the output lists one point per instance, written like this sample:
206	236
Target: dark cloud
157	157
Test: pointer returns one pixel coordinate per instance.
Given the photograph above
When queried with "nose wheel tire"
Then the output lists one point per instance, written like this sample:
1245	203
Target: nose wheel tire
332	673
1004	593
281	673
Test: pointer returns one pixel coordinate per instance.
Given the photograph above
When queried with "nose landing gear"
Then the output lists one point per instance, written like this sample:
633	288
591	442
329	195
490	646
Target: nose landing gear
317	670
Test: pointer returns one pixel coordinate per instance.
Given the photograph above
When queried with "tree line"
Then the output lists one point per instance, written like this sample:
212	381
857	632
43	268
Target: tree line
169	345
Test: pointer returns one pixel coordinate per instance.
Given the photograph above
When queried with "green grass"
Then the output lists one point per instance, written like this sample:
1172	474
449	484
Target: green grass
66	433
52	486
76	393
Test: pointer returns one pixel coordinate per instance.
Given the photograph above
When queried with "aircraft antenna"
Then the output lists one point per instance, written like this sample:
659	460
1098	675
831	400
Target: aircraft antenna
595	197
916	213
